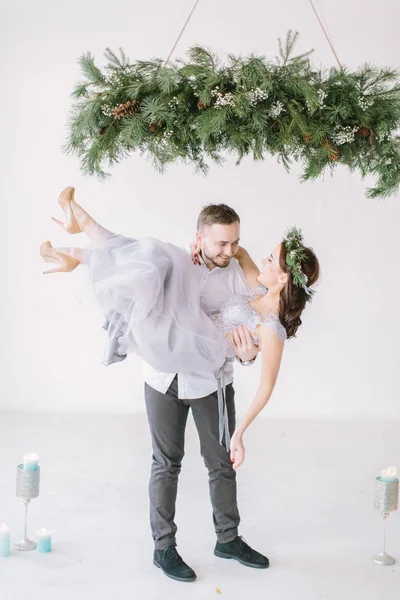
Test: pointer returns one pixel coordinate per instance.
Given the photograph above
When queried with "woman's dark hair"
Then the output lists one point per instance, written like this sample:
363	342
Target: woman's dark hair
293	299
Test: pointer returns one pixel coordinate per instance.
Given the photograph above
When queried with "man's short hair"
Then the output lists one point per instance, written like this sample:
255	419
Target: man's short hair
216	213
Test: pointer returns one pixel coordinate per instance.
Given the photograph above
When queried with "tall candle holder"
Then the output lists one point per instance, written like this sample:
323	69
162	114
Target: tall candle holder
386	501
27	489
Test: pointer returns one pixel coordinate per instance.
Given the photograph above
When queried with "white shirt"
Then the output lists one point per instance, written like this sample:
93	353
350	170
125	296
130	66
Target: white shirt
216	287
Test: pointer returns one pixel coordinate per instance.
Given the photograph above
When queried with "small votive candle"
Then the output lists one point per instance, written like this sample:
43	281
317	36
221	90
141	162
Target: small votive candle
389	475
43	541
31	462
5	541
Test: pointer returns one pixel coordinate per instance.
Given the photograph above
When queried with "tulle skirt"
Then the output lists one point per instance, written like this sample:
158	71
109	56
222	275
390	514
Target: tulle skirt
149	293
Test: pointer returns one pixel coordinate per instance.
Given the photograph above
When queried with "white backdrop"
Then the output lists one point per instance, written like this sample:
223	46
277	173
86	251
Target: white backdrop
345	361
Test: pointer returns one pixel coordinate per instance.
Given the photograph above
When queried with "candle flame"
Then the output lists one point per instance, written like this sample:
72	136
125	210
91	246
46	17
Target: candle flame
389	472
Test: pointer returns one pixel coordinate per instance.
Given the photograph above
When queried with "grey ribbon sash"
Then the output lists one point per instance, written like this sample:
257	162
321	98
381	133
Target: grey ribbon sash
222	408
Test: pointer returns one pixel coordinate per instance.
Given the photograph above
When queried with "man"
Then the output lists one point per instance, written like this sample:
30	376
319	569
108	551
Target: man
169	397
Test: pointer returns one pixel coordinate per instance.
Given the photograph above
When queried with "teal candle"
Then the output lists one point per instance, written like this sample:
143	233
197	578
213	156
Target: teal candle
5	541
31	462
43	541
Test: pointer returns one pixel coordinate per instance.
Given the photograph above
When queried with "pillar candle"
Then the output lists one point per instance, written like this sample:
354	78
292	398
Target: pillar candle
389	475
5	542
43	541
31	462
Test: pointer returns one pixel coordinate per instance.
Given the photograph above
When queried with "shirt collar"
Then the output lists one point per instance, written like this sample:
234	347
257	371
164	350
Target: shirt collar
205	266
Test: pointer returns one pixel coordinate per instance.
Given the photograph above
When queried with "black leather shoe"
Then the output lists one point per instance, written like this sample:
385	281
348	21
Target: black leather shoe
172	565
239	550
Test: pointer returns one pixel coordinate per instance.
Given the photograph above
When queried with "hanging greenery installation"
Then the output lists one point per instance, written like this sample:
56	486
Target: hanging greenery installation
200	110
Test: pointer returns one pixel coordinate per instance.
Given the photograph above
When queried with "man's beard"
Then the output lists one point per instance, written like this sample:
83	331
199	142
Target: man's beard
225	261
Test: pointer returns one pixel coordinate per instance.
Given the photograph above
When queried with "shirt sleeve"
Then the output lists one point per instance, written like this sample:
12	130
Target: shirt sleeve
239	277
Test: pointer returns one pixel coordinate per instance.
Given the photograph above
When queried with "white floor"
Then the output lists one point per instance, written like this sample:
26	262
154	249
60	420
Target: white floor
306	496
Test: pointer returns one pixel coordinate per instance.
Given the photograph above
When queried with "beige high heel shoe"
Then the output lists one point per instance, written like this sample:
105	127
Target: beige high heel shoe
66	263
64	200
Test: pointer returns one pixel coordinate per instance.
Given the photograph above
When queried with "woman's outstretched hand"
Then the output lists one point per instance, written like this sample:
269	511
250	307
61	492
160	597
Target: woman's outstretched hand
237	451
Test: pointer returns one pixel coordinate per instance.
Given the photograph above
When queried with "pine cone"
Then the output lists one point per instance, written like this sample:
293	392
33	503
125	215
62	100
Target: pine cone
126	109
363	131
334	152
335	155
307	139
102	131
154	127
201	105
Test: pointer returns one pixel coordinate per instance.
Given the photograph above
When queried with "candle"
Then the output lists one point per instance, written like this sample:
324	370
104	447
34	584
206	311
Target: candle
389	475
5	544
43	540
31	462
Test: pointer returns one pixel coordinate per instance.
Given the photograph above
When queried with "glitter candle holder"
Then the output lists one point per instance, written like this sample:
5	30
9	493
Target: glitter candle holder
386	501
28	483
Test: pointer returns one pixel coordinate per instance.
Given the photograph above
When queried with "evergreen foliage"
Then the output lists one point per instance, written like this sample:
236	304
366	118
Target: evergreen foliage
202	109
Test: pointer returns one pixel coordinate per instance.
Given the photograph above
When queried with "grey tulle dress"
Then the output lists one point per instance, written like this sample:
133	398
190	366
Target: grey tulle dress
149	293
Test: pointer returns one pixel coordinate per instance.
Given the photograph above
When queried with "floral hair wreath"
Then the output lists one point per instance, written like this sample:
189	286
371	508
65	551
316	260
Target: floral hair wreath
295	257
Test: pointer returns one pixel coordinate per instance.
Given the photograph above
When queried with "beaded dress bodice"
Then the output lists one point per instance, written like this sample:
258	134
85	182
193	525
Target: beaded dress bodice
238	311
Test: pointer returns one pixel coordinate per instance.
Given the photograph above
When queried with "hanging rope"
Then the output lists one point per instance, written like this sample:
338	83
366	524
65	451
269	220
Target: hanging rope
321	14
181	33
324	29
325	33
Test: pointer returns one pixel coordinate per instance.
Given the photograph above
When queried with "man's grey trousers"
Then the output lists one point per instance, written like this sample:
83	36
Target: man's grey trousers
167	416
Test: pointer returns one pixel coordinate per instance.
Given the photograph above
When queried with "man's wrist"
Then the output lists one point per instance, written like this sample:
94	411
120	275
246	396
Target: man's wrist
246	363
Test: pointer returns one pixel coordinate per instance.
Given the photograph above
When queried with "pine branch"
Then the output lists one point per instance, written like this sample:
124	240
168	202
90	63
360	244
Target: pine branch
203	58
286	50
92	73
119	62
79	90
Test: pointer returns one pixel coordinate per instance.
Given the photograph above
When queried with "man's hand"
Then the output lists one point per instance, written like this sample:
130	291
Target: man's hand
243	344
237	451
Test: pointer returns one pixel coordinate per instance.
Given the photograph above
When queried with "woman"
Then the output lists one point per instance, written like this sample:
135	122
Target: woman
149	292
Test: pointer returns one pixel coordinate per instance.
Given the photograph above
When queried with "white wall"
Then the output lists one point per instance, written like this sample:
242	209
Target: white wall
346	358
